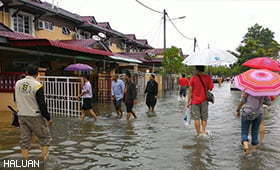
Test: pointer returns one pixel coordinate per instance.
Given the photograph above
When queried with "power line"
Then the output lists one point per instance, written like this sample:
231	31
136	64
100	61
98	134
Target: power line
152	31
146	6
177	29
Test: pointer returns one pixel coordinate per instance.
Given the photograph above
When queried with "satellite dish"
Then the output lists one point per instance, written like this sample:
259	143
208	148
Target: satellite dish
1	4
102	35
151	54
96	38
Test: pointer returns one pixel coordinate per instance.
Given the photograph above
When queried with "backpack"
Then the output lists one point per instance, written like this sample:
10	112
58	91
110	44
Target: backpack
248	111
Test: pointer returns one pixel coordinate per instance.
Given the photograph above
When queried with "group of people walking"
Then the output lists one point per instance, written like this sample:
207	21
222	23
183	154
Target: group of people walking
122	91
35	119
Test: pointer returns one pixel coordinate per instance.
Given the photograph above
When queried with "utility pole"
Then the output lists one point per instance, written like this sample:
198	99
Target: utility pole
164	29
194	44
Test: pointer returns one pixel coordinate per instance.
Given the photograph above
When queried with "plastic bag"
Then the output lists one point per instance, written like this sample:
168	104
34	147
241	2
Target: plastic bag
187	117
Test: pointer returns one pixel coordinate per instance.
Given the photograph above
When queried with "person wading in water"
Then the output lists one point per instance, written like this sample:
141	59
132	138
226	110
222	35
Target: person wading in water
130	96
118	87
86	96
197	98
34	117
152	92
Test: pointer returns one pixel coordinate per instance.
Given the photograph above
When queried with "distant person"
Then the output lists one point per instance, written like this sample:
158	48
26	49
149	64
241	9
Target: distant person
262	125
183	83
118	87
130	96
86	96
250	109
220	81
34	117
151	92
197	98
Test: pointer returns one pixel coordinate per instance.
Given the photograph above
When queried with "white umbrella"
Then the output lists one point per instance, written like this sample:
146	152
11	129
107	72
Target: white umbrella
210	57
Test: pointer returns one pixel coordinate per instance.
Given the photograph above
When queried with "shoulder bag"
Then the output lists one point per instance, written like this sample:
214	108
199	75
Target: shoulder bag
210	96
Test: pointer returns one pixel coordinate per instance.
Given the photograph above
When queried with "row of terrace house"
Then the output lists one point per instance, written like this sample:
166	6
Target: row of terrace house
32	31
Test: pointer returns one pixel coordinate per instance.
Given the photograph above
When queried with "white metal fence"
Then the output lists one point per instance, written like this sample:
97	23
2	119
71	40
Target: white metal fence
60	95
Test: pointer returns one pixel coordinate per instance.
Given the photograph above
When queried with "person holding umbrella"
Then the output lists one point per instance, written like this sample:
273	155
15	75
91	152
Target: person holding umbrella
256	86
86	96
200	83
263	63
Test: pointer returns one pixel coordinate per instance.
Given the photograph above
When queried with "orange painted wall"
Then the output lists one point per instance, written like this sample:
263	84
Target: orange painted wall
5	18
55	34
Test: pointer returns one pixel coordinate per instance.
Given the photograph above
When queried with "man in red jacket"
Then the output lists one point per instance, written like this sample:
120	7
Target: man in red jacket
197	98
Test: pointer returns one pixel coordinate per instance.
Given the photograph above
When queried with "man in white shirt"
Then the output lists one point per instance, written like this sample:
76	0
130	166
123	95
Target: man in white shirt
33	114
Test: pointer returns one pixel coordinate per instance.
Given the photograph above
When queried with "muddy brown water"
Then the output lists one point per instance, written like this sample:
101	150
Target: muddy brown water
153	142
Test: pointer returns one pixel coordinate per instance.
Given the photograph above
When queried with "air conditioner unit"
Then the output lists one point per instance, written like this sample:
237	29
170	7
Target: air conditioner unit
40	25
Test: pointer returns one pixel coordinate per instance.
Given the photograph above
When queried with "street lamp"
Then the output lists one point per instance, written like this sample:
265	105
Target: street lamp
182	17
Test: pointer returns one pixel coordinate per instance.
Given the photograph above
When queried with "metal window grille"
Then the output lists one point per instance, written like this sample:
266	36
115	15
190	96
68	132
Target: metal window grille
60	95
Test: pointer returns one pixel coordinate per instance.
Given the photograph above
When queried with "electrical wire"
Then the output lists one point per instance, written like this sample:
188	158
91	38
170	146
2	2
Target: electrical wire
153	29
177	29
146	6
156	33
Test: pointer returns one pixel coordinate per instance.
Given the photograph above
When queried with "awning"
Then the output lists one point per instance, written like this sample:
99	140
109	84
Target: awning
131	60
84	58
57	44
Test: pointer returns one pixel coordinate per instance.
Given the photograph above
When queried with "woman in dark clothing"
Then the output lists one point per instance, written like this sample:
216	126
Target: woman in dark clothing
152	92
130	96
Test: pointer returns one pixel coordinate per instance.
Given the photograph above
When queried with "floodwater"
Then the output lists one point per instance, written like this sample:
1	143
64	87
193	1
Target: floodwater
154	142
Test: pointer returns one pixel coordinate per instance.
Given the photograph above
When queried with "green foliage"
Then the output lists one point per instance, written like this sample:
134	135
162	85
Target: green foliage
258	42
173	62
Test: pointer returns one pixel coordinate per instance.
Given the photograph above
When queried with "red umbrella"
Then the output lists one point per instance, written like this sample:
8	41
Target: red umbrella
259	82
263	63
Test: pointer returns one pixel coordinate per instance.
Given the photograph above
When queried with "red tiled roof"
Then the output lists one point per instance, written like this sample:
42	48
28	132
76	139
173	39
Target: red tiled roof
157	51
104	25
57	44
130	36
142	41
16	35
81	43
88	19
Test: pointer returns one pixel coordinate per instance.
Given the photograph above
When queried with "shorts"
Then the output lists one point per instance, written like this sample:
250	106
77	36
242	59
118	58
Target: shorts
129	106
34	125
118	104
183	91
200	111
87	104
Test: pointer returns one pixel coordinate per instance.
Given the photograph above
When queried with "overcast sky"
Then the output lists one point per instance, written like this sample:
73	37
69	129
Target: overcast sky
220	23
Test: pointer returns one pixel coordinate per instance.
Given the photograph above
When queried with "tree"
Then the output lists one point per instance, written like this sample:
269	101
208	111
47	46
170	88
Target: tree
258	42
173	61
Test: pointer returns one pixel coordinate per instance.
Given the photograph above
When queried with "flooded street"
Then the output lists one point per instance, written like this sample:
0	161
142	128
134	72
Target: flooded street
154	142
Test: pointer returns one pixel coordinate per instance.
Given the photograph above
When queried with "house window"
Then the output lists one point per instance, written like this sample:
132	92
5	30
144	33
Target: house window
85	35
45	25
49	25
22	23
66	30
